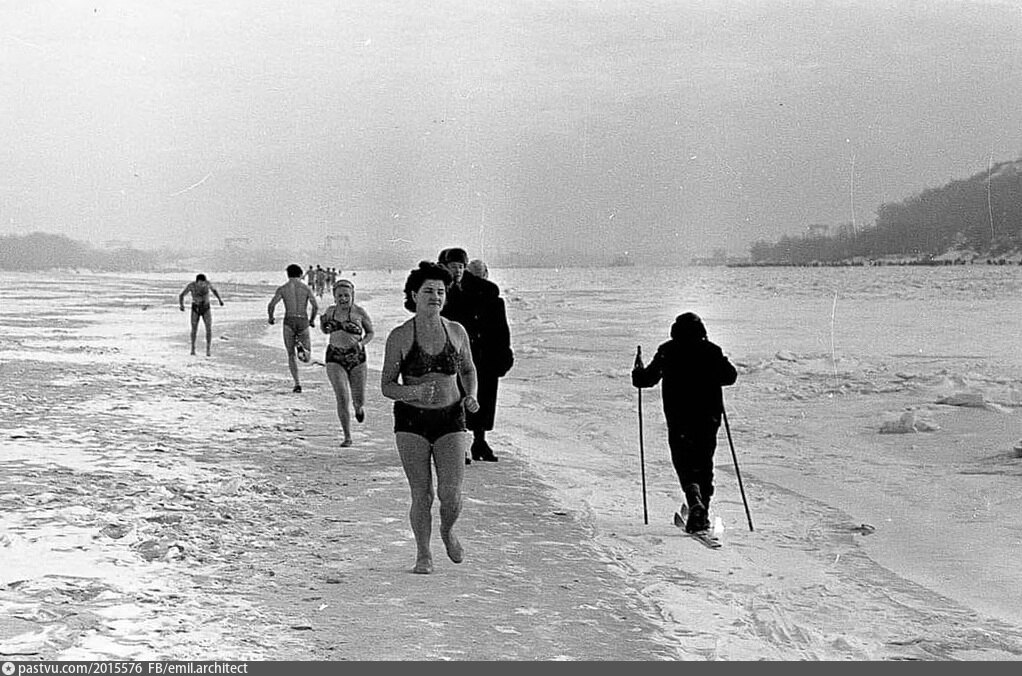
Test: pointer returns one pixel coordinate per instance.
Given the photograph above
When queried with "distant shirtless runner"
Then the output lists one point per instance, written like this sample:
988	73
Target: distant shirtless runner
296	296
201	307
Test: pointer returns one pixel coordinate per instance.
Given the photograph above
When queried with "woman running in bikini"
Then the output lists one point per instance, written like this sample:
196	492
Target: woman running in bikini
425	359
350	329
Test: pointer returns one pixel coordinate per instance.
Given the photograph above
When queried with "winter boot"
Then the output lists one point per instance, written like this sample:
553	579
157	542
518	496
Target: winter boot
698	517
698	520
693	494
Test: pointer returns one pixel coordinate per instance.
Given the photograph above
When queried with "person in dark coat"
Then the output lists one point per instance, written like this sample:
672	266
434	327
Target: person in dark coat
475	303
693	371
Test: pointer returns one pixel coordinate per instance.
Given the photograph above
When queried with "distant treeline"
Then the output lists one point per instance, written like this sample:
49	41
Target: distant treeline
42	251
981	214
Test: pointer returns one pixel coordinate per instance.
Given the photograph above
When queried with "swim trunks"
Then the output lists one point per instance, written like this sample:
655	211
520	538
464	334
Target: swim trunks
200	308
296	324
348	359
429	423
298	328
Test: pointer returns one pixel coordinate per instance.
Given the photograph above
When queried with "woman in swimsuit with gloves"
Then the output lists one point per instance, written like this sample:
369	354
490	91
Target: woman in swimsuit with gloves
423	362
350	329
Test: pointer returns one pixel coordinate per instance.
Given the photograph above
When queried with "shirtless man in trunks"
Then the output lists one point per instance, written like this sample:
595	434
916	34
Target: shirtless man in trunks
297	340
201	308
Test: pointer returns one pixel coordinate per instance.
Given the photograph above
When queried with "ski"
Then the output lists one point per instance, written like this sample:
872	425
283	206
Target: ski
706	539
703	536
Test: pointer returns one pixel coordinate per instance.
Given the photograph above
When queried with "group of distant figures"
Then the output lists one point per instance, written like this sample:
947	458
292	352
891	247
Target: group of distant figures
442	366
320	279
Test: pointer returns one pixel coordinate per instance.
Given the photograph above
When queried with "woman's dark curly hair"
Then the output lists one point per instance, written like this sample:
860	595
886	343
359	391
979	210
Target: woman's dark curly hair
419	276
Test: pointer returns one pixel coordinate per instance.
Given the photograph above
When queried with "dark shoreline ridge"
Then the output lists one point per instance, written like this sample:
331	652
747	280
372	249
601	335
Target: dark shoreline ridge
929	262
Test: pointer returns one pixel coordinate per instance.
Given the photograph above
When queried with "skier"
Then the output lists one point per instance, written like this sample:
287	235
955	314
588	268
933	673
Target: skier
693	370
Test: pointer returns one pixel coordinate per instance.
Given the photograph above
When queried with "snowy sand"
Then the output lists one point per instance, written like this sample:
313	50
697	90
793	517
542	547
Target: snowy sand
866	545
826	358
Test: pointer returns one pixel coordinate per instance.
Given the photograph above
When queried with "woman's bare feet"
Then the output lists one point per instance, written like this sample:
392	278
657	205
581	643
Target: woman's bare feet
455	552
423	565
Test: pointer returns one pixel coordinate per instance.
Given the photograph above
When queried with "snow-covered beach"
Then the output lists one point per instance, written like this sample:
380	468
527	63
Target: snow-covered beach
867	545
826	359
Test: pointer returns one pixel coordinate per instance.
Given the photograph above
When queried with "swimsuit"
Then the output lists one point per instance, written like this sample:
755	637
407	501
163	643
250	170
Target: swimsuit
430	423
348	325
347	358
200	308
418	362
296	324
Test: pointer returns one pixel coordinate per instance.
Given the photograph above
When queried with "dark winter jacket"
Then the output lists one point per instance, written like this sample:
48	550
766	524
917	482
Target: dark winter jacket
693	371
477	306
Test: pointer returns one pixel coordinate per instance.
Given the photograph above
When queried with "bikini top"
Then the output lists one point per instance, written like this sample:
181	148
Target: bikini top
418	362
348	326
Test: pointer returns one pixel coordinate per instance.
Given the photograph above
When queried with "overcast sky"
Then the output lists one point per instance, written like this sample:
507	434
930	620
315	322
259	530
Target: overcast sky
565	125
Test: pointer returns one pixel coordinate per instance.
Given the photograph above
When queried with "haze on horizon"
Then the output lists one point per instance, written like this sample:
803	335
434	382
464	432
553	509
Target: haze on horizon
585	128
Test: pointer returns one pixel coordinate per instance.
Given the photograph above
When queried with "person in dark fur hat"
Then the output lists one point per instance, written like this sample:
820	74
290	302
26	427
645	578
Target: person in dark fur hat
475	303
693	371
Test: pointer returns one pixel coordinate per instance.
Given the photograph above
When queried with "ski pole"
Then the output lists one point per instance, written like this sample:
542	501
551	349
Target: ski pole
642	455
738	474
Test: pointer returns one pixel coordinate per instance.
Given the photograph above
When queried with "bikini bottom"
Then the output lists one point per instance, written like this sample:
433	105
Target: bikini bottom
347	359
429	423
